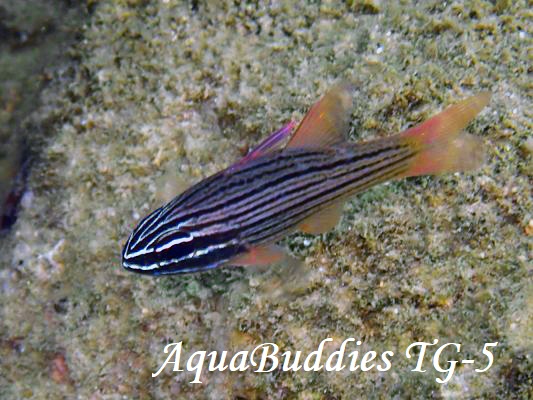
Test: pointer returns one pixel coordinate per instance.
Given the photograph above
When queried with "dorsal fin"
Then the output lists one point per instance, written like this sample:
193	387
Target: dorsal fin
272	143
327	121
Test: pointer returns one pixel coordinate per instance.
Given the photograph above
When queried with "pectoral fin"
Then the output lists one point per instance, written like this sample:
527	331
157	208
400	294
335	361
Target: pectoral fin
323	221
327	121
259	255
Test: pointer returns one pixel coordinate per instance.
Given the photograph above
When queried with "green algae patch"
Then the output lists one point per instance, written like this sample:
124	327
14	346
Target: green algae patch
167	89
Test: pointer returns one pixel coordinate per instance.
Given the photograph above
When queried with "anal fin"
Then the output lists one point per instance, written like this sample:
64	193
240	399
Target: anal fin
324	220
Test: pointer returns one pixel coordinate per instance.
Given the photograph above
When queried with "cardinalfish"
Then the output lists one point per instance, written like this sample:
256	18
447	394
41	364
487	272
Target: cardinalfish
294	181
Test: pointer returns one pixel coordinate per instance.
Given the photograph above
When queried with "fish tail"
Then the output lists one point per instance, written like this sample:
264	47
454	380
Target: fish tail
441	146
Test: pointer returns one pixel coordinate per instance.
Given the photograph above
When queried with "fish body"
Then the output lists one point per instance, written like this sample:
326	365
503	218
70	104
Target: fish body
235	216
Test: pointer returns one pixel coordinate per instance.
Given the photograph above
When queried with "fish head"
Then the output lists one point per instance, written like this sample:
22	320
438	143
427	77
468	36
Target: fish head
161	246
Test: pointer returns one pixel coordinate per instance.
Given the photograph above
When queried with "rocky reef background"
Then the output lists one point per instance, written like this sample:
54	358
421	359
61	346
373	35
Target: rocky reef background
156	95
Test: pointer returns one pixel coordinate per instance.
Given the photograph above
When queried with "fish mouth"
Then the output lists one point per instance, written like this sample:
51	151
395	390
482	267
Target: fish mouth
142	268
129	257
125	251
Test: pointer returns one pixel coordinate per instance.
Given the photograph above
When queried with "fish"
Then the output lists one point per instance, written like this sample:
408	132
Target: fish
296	180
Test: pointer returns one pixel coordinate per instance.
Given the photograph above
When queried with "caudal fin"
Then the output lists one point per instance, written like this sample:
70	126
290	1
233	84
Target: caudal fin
440	144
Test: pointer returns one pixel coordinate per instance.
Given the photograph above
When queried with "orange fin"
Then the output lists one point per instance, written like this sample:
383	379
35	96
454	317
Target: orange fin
441	145
323	221
327	121
260	255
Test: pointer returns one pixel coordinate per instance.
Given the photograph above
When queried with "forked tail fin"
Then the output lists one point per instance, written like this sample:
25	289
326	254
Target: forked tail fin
440	144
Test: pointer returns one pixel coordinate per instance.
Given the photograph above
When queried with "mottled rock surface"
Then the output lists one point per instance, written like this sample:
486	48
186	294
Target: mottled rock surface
168	92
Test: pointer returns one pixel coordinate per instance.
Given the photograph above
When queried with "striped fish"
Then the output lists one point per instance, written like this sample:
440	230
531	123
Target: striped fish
234	217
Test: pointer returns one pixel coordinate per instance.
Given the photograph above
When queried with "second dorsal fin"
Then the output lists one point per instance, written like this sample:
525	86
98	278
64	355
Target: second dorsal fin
327	121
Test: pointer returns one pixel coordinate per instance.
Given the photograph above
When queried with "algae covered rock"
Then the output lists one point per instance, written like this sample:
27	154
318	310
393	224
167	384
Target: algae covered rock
165	93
